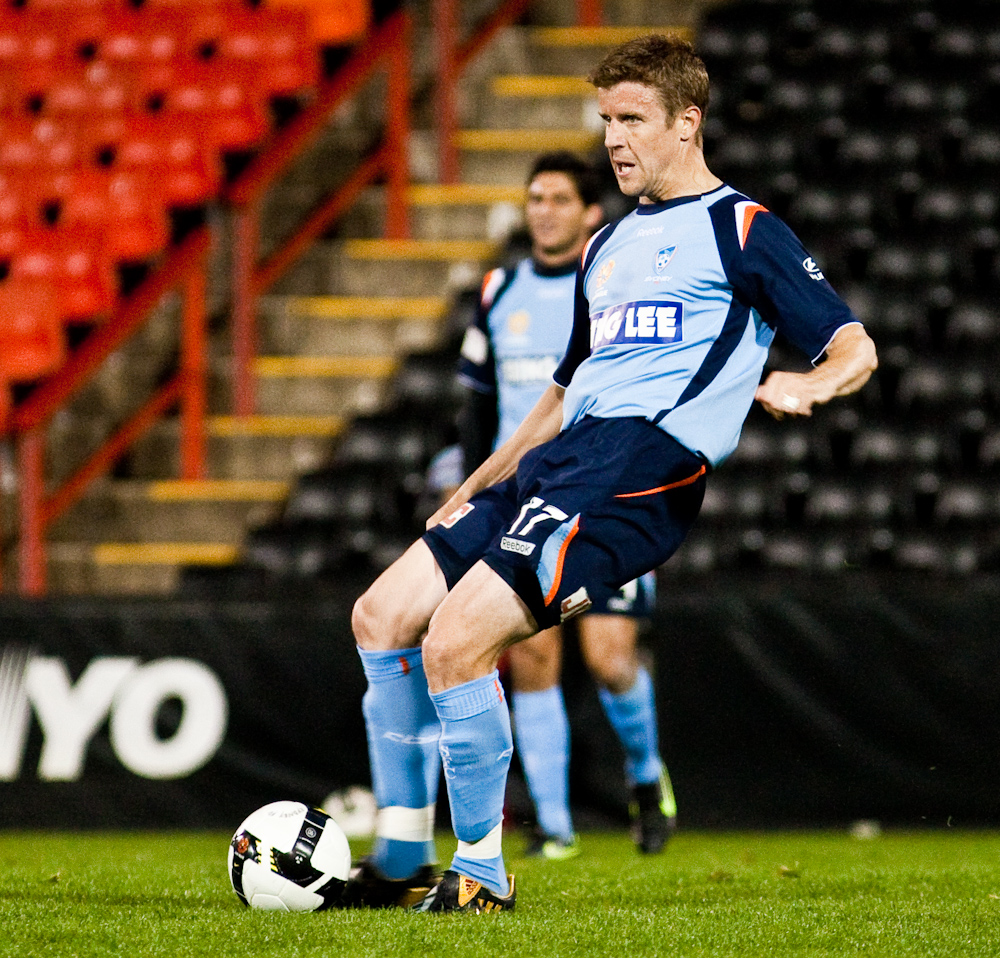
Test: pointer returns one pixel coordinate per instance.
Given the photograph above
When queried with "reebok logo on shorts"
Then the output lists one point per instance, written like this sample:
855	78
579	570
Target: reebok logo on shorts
517	545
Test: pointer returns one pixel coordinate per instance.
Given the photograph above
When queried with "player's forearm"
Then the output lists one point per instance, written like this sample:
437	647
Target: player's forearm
850	361
540	425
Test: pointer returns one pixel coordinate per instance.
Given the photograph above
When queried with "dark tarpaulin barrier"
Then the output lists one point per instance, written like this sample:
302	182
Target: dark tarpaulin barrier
783	701
292	686
789	700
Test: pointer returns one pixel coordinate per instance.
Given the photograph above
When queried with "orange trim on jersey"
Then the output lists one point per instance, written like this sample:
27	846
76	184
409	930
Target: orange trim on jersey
748	214
560	559
672	485
404	664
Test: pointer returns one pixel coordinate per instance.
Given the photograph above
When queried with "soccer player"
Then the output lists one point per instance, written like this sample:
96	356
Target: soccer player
508	357
676	306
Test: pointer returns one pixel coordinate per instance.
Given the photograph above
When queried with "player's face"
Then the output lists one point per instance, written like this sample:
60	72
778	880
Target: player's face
557	218
643	142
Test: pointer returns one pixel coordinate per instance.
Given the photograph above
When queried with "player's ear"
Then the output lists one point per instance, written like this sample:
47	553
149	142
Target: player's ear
690	123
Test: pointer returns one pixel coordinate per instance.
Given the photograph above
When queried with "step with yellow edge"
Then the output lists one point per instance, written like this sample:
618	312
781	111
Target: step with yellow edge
599	36
277	426
526	141
378	308
432	250
331	367
165	553
217	490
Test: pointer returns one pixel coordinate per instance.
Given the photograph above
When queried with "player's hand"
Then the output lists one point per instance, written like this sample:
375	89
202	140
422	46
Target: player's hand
787	394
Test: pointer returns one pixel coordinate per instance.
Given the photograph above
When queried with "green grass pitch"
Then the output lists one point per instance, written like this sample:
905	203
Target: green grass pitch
924	894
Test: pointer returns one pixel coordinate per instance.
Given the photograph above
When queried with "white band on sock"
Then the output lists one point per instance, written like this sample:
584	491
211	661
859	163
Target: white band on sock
488	847
405	824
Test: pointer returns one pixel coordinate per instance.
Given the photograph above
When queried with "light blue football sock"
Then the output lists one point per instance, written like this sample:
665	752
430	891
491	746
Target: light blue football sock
403	733
476	749
542	736
633	717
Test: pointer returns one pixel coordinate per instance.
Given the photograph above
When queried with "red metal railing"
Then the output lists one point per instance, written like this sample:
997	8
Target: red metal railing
454	55
388	48
184	269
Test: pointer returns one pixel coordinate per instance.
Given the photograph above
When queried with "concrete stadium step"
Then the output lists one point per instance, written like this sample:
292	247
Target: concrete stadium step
370	325
576	50
406	267
314	385
126	568
168	510
253	447
506	155
435	251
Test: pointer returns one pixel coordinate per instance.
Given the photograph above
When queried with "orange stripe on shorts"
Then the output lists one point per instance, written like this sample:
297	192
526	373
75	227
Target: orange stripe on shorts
557	579
672	485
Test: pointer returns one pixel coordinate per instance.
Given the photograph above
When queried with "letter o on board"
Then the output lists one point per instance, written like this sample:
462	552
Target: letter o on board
201	730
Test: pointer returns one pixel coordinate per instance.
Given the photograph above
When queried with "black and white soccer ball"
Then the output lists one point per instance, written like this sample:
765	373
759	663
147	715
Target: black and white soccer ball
287	856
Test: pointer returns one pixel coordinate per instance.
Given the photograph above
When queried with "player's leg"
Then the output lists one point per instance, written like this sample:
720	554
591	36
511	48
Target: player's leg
389	623
478	620
541	731
609	644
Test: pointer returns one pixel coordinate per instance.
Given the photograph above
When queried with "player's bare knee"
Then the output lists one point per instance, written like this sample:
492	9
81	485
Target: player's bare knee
365	622
440	657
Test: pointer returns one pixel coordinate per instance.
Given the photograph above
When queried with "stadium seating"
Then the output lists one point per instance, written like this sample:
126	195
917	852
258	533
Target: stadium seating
114	113
31	330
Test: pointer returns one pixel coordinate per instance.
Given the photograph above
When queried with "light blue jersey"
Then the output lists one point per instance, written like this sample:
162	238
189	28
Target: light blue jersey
676	306
519	336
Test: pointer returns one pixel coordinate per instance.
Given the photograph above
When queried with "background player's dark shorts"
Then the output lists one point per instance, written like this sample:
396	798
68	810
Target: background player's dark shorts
604	502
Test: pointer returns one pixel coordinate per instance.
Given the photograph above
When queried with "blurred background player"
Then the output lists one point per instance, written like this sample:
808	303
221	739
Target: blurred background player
508	358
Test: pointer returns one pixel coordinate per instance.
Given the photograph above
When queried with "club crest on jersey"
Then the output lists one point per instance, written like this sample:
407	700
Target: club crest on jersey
518	322
663	258
658	321
604	273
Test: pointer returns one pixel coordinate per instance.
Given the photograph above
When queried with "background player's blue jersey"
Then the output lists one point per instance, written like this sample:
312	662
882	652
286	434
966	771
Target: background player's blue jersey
676	306
520	335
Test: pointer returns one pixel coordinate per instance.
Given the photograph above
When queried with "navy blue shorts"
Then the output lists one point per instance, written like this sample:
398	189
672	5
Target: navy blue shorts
602	503
636	599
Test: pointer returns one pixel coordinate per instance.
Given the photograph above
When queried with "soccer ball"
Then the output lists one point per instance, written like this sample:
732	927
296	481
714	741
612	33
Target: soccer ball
287	856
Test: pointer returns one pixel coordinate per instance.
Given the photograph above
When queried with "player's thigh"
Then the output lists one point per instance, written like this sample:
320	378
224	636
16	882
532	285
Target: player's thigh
479	619
395	610
535	663
609	646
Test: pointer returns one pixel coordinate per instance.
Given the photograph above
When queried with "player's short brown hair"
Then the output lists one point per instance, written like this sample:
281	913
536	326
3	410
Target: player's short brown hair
667	64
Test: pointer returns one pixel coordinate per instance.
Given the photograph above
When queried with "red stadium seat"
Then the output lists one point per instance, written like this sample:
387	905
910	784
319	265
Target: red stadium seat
334	22
32	339
95	88
133	39
30	144
73	261
126	207
221	97
15	215
176	152
279	38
